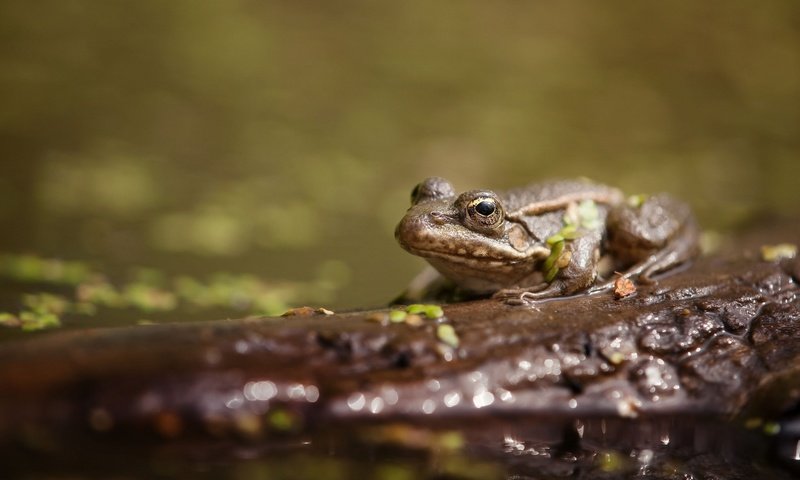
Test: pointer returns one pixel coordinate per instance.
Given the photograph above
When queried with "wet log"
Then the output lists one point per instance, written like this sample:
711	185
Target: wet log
720	338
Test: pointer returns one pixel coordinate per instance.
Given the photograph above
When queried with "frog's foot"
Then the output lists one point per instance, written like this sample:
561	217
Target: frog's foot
604	286
657	263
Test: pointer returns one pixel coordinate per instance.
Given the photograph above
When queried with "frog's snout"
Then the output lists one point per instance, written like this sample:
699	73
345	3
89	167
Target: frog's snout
408	229
415	230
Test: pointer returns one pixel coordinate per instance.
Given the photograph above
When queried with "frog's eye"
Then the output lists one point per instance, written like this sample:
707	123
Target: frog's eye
485	207
484	213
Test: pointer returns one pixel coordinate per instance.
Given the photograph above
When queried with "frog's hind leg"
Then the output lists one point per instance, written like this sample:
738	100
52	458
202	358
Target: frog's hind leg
651	237
644	271
680	250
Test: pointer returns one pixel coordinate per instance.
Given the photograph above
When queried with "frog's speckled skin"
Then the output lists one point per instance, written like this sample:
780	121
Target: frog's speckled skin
504	253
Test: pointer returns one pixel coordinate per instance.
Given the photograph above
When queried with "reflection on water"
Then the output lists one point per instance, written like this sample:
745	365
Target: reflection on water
531	448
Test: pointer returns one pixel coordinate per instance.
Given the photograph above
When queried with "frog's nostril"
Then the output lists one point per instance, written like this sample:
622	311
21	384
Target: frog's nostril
438	217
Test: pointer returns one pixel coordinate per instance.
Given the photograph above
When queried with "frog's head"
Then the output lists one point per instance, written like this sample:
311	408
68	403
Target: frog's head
468	237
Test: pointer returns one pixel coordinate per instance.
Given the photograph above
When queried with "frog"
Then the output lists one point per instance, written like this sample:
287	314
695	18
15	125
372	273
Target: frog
546	240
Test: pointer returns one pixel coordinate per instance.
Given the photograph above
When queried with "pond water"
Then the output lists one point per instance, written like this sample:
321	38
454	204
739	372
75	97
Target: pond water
197	161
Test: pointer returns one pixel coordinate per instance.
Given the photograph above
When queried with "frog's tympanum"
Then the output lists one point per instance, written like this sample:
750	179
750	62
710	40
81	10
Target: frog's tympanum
545	240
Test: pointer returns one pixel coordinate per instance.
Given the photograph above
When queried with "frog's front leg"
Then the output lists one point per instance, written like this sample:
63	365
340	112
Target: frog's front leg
651	236
575	271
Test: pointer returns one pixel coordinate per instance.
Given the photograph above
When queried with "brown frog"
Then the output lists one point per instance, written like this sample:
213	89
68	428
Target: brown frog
547	239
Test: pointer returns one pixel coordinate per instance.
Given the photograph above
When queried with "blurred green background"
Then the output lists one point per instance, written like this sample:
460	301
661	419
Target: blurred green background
282	138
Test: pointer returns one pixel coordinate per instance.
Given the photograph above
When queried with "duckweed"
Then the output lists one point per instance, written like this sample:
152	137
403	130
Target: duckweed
781	251
772	428
636	201
447	334
611	462
148	290
397	316
282	420
584	215
31	321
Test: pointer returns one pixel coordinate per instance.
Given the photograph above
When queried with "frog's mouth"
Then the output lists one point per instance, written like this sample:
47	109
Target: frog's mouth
484	261
480	257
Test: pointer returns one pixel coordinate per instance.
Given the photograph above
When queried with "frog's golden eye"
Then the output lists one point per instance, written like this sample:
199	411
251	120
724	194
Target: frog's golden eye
484	213
485	207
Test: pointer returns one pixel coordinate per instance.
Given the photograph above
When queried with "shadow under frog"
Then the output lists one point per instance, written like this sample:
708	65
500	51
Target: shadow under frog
542	241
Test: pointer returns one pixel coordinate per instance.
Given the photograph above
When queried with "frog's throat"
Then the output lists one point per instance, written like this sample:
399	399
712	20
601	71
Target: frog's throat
532	253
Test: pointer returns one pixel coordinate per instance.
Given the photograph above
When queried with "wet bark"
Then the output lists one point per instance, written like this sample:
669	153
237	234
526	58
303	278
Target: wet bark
721	338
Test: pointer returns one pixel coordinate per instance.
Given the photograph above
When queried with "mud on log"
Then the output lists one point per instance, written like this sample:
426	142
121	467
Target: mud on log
721	338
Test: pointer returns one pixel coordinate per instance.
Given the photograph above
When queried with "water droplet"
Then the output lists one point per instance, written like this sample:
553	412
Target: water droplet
511	444
356	402
580	428
433	385
376	405
572	403
312	393
428	406
504	395
451	399
260	391
645	456
241	346
236	401
296	391
212	356
483	399
390	395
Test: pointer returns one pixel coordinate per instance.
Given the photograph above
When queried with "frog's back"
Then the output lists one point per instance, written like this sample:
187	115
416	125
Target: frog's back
554	190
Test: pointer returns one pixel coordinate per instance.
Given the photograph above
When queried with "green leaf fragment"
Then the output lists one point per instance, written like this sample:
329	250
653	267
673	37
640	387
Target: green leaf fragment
282	420
588	215
553	239
555	252
753	422
447	334
397	316
551	274
610	462
570	232
587	210
772	428
416	308
32	321
452	441
781	251
430	311
636	201
9	320
434	311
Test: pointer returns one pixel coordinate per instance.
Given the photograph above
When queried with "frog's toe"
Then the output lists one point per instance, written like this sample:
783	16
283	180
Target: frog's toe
507	294
646	277
515	292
